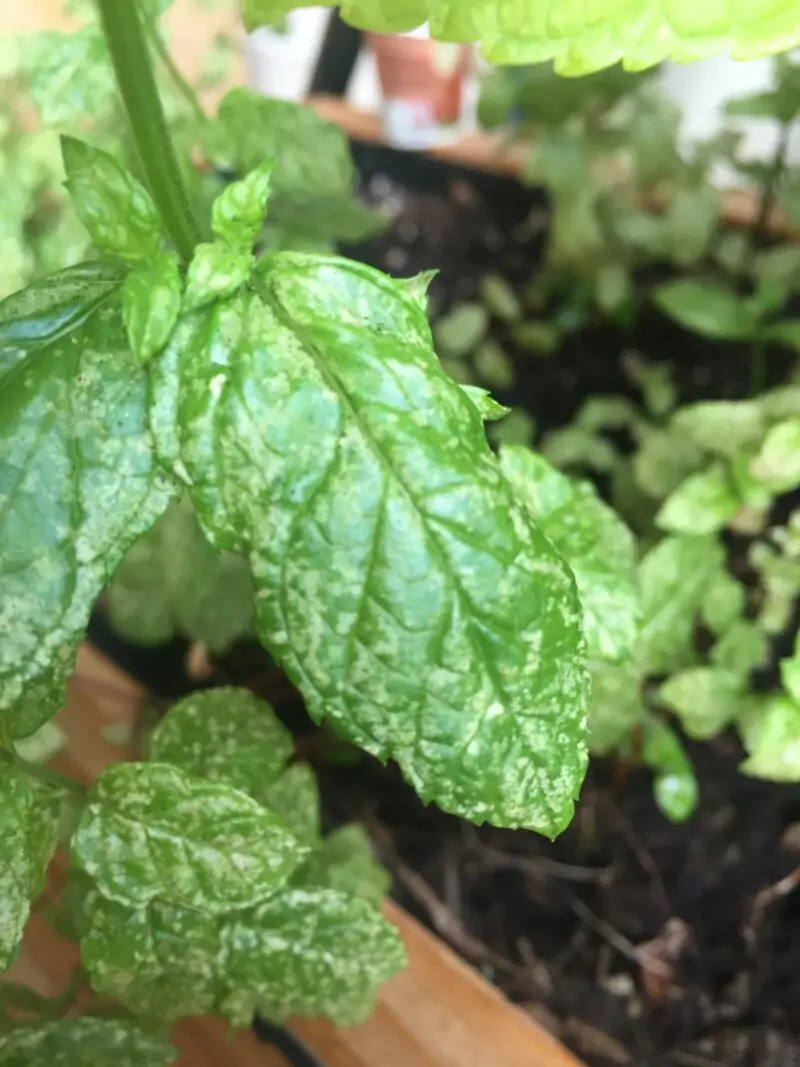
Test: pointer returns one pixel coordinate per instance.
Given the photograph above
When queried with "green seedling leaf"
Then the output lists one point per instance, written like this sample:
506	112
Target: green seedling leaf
89	1042
239	211
29	831
79	480
721	427
68	75
786	333
216	271
461	329
656	381
742	649
703	504
675	786
706	699
612	287
386	547
172	582
488	407
673	580
723	603
225	735
573	446
692	217
607	413
114	207
773	742
541	338
593	540
493	365
616	705
345	862
499	298
777	464
664	460
780	579
151	304
790	673
150	830
703	308
295	797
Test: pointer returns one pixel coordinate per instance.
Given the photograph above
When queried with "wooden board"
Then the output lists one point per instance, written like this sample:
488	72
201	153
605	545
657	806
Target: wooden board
437	1013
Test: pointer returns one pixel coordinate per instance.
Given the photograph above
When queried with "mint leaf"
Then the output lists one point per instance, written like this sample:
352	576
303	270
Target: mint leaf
68	75
703	504
790	673
461	329
665	458
722	427
29	831
78	476
216	271
151	303
723	603
114	207
88	1041
345	862
673	579
594	542
704	308
705	699
173	582
150	830
488	407
777	464
225	735
742	649
405	592
616	706
772	739
675	786
238	212
295	797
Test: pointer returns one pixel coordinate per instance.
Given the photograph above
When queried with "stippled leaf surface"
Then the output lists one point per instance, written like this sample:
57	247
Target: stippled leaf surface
151	303
216	271
345	862
777	464
68	75
405	591
172	581
723	603
673	579
295	797
617	704
772	739
89	1042
311	951
239	211
150	830
29	831
226	735
580	37
79	480
593	540
702	504
705	699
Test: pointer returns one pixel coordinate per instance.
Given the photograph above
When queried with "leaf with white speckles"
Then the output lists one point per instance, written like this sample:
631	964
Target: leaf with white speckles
89	1042
345	862
593	540
78	476
29	832
227	735
150	830
151	303
215	272
405	591
295	797
239	210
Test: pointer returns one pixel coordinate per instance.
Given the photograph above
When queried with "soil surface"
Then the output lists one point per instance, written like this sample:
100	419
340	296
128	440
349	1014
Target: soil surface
635	940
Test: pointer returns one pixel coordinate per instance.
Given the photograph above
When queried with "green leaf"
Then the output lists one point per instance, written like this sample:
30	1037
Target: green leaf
295	797
89	1042
705	699
773	742
675	785
151	304
777	464
704	308
114	207
216	271
692	217
29	831
723	603
225	735
149	830
499	298
461	329
173	582
517	428
722	427
703	504
493	365
313	952
790	673
78	477
656	381
69	76
616	705
780	578
490	410
403	590
592	539
541	338
238	212
665	459
574	446
785	333
345	862
673	580
742	649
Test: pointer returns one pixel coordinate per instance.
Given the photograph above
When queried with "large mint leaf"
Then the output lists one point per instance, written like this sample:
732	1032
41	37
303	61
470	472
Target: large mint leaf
29	831
404	589
673	579
173	582
89	1042
78	477
580	37
149	830
227	735
593	540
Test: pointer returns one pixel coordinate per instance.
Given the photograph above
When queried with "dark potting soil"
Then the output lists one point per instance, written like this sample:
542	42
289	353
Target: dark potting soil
635	940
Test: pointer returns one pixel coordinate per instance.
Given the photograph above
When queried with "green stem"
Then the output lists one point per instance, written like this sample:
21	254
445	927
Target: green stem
41	774
127	44
180	83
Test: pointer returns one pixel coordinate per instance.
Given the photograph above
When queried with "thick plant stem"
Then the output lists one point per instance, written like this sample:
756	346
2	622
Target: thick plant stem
127	43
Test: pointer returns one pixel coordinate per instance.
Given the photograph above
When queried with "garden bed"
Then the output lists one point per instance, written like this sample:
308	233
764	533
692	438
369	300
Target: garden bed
635	940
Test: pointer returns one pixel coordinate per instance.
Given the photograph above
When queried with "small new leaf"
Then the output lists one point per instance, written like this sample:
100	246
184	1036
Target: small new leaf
704	308
723	603
706	699
150	830
777	464
90	1042
238	212
345	862
490	410
295	797
675	786
114	207
703	504
225	735
151	303
772	740
742	649
216	271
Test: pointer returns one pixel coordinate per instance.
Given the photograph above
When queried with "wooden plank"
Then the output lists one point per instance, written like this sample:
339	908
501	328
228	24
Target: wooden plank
437	1013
